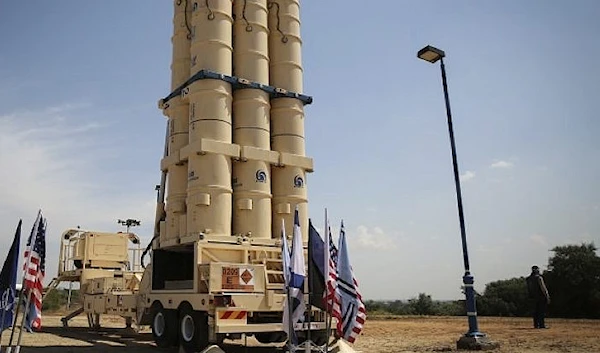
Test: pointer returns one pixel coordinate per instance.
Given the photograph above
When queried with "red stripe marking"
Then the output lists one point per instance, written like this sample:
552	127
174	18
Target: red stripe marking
233	315
226	314
241	315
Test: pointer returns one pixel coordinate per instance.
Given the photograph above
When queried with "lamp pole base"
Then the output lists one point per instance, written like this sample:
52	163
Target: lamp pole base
476	343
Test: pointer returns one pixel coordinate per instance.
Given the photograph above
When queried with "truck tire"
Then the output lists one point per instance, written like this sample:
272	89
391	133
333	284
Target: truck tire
318	337
193	329
270	337
164	326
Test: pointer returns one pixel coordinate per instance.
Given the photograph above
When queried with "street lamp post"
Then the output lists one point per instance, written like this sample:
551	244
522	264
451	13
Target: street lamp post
473	339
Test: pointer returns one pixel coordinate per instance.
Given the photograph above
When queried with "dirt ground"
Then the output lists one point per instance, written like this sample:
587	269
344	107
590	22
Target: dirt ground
402	334
439	334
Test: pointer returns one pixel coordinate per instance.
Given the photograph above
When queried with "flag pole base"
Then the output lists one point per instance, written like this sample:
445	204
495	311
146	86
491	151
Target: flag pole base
337	345
306	346
476	342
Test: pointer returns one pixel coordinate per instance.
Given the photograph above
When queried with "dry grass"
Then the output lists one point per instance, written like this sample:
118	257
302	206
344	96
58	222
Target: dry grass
390	335
435	334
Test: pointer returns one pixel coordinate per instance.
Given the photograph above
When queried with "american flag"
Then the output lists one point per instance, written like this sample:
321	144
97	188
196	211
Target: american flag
353	310
35	269
331	294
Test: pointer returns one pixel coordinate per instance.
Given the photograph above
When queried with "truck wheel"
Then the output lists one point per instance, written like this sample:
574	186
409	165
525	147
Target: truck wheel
164	326
193	329
270	337
318	337
263	337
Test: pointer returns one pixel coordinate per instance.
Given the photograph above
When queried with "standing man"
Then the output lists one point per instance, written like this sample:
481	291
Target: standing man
539	294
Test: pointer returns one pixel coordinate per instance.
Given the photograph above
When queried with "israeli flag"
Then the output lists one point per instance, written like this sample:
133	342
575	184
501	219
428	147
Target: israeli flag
295	307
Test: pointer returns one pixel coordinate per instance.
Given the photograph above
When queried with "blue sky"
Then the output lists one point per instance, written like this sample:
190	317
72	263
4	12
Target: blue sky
81	135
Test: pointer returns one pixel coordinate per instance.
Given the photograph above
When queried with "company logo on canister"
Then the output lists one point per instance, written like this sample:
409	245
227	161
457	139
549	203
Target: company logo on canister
261	176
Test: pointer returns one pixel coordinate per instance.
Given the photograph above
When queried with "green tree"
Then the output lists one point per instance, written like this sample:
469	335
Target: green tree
423	305
449	308
53	301
398	307
573	280
504	298
376	307
57	299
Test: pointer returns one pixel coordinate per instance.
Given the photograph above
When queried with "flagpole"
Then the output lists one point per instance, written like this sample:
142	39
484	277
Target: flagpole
26	269
291	346
326	266
12	333
4	316
18	347
309	306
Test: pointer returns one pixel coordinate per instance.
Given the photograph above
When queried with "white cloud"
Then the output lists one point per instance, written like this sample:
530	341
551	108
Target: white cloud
373	238
539	240
42	152
53	159
468	175
502	164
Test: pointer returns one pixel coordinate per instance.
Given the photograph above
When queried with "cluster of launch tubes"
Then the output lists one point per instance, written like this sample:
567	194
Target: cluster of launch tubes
236	161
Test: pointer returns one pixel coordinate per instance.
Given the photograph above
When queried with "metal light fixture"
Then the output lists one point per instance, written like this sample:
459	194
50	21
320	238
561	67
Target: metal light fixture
130	222
431	54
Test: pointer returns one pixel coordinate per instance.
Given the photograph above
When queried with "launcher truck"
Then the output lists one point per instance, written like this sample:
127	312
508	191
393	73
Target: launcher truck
233	171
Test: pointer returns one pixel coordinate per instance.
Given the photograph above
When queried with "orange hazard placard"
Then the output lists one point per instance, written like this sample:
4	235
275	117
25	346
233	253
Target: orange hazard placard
239	278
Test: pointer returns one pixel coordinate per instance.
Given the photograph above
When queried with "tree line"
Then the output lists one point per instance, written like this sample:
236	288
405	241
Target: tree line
572	278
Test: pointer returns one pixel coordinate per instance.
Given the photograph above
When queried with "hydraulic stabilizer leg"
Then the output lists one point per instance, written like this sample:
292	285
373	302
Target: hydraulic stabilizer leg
65	320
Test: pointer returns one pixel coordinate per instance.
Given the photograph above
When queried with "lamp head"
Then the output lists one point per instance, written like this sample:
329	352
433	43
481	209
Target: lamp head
431	54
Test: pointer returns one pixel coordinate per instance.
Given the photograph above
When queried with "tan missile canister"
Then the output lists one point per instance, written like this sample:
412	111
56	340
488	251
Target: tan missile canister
285	45
251	40
287	117
251	125
210	150
178	128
